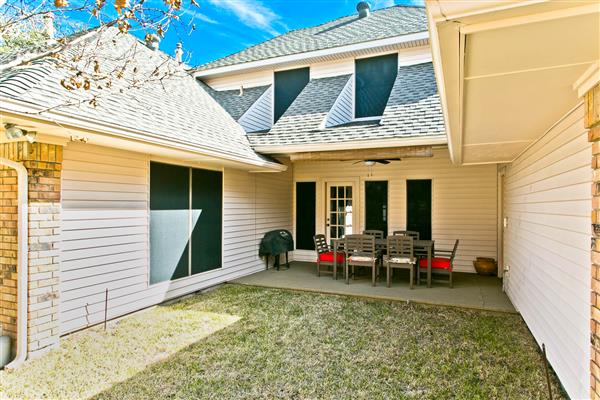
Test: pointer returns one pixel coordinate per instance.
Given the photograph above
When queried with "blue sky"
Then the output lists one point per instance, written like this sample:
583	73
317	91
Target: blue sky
226	26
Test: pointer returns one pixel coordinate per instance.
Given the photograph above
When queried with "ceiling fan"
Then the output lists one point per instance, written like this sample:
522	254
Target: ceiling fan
370	163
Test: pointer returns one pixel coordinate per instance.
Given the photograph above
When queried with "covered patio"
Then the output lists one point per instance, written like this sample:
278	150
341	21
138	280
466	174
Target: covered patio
470	290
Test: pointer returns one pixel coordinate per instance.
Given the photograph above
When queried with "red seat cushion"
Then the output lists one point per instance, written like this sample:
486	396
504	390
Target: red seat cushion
328	257
436	263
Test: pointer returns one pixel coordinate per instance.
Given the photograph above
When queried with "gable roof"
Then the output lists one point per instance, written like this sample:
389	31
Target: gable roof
413	111
381	24
172	109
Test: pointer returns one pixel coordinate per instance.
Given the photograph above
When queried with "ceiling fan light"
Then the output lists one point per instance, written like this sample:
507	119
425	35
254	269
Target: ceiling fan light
369	163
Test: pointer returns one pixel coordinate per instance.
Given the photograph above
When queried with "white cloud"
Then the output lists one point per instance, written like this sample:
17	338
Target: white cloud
251	13
197	15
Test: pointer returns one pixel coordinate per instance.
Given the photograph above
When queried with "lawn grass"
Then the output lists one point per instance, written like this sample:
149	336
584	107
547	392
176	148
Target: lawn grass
301	346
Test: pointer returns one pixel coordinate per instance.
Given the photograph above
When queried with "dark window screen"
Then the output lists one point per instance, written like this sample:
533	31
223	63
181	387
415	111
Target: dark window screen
305	215
169	222
418	207
374	81
207	213
288	85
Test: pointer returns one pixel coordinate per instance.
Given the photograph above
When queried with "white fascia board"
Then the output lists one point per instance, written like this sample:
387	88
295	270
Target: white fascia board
455	10
373	44
453	145
431	140
589	79
55	117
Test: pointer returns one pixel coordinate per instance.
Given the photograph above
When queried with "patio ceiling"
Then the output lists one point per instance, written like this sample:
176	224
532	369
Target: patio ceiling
506	70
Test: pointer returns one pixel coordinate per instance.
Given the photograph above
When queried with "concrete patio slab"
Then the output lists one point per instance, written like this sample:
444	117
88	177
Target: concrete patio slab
470	290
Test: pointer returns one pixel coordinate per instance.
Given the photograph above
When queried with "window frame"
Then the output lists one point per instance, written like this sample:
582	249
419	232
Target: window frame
190	168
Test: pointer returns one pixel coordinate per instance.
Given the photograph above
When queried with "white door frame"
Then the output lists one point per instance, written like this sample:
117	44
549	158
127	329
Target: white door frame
355	203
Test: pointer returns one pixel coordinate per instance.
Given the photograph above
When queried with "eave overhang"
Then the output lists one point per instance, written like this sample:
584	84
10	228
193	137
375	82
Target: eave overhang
506	70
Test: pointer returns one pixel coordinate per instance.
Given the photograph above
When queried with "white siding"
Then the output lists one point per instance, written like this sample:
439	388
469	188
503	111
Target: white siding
105	232
342	110
414	55
332	68
547	246
259	116
464	199
248	80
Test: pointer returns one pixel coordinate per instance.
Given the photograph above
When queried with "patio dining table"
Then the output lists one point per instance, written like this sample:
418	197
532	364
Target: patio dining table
420	247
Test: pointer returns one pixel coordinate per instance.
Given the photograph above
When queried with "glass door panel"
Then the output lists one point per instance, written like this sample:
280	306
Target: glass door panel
339	211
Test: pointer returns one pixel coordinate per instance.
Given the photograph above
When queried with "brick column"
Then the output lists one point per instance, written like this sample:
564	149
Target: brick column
592	122
44	164
8	251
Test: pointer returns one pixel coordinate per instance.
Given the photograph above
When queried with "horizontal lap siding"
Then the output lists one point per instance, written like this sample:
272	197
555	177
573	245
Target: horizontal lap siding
105	233
547	204
464	199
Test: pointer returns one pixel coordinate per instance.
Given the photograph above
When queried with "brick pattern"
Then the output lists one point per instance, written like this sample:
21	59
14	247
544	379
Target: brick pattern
44	164
8	251
592	122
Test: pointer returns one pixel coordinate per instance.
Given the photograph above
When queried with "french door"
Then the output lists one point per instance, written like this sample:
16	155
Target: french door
340	209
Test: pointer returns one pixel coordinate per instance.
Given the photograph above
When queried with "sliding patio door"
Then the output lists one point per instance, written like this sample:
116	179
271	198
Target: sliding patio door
340	209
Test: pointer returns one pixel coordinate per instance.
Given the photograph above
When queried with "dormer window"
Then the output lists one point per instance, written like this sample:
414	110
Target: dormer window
288	85
375	78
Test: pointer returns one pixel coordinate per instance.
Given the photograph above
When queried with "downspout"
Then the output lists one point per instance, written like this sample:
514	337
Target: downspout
22	261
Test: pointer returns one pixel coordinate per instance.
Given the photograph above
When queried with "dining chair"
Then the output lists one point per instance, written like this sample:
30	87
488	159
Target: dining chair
413	234
442	261
360	252
326	256
400	255
374	232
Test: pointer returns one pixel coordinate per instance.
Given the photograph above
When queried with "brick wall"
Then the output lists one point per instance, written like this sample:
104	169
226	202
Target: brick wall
592	121
44	164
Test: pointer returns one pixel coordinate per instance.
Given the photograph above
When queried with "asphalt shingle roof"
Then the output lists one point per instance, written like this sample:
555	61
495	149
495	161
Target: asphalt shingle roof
413	109
174	107
311	106
381	24
231	100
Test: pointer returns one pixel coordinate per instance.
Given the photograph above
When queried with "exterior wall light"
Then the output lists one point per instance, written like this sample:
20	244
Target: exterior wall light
14	132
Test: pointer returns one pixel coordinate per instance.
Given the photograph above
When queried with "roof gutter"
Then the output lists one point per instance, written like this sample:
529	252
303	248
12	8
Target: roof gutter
22	261
340	50
430	140
33	111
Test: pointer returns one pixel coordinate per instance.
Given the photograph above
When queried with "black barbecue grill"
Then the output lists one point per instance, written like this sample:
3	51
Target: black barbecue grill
274	243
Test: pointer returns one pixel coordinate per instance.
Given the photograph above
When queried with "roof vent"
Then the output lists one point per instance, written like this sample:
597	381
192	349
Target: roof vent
152	41
49	30
364	9
179	53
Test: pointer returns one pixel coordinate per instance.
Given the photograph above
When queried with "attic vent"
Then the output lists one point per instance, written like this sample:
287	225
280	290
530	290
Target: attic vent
364	9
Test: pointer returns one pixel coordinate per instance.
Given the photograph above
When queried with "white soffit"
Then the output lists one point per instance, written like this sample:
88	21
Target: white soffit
517	75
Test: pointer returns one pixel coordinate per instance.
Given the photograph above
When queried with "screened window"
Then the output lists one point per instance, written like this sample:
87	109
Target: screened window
375	78
186	211
288	85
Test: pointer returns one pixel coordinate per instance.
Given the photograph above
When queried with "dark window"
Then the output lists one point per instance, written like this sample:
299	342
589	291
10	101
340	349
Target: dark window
376	206
169	222
173	211
418	207
288	85
306	197
374	81
207	212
